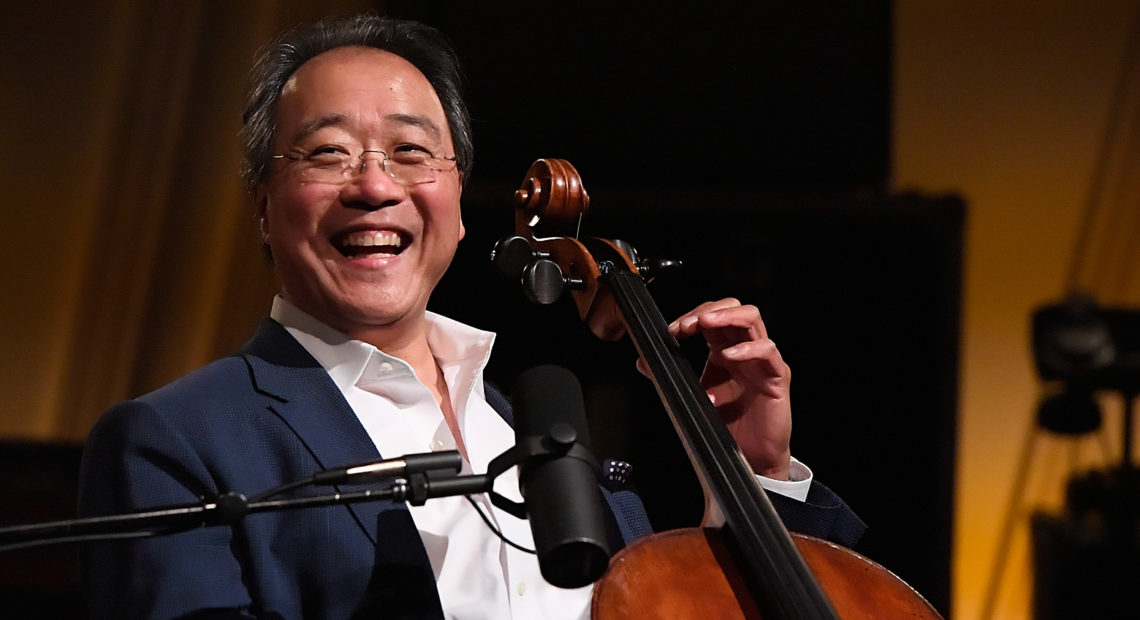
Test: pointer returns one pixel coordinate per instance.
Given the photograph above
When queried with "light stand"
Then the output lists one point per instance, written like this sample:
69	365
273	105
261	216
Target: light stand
1086	561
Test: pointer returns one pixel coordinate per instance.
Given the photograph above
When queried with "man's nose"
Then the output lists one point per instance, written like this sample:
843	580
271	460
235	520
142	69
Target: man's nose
372	187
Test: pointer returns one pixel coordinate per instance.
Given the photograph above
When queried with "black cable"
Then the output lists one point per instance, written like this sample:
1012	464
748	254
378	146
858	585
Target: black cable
278	490
1100	171
478	510
494	529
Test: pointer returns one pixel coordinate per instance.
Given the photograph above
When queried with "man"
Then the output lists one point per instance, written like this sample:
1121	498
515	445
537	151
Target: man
357	145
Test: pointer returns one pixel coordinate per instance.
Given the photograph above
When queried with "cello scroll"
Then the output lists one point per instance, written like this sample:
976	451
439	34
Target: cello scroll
552	198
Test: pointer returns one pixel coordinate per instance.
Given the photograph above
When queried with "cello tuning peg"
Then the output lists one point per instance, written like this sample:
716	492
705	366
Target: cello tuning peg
651	268
511	255
627	249
543	281
648	268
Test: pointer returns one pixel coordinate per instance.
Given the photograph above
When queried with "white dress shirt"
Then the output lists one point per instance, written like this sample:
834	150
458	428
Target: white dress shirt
477	574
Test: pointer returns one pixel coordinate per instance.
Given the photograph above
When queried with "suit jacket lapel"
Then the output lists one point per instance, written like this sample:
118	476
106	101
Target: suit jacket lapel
312	406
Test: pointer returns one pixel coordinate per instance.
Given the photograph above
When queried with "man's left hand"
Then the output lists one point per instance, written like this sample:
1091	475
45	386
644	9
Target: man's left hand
746	379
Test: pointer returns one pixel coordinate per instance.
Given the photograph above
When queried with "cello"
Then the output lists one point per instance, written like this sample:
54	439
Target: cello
751	566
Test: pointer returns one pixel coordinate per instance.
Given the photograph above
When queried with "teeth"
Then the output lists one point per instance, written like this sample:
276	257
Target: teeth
373	238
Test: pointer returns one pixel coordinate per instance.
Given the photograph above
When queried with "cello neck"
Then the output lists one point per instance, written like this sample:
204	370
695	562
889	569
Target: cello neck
780	579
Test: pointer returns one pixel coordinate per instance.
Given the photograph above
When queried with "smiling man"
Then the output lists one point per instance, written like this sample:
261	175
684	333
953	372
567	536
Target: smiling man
357	144
362	216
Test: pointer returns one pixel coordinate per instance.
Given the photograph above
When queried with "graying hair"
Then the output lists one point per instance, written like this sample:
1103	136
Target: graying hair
423	46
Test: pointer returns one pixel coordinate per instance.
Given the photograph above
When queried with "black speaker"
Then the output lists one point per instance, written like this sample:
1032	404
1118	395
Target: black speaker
1086	561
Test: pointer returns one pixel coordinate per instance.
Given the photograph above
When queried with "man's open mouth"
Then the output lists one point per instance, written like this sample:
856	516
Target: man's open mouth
378	243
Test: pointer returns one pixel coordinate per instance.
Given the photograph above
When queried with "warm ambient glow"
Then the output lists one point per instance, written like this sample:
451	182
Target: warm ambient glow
1007	105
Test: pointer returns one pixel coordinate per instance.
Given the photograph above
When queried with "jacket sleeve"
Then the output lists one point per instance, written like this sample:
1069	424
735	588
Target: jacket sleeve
823	515
133	461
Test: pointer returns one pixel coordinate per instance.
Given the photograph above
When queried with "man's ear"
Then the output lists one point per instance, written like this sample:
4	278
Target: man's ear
261	204
463	230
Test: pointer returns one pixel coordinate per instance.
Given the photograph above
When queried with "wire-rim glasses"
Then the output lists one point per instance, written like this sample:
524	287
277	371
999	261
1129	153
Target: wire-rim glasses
406	165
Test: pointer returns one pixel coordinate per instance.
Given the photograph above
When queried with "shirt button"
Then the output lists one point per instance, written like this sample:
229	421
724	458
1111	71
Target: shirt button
436	445
522	588
386	367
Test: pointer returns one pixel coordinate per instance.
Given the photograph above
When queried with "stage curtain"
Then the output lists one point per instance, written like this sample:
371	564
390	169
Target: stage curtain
130	251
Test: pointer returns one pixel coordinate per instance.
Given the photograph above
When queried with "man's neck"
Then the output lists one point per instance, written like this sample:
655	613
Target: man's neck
412	346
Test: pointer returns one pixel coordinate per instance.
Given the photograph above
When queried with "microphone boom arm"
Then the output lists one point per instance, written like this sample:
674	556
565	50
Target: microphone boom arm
418	477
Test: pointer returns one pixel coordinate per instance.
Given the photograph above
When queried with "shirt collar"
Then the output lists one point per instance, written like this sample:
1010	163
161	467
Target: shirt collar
455	346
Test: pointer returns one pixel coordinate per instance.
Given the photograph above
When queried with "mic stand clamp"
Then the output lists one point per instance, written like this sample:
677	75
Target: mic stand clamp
560	441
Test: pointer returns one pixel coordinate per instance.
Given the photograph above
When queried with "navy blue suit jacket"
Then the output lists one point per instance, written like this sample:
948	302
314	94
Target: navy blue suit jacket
250	422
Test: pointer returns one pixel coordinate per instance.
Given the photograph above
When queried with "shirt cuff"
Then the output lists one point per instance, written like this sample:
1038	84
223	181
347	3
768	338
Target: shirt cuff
796	486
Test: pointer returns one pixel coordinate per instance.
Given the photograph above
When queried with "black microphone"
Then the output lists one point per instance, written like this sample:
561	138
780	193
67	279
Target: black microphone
563	500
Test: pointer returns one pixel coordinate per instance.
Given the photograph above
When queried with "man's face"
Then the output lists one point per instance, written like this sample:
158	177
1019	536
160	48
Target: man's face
366	253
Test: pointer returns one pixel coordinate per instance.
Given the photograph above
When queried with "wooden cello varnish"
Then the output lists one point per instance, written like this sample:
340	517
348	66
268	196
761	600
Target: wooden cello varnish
689	574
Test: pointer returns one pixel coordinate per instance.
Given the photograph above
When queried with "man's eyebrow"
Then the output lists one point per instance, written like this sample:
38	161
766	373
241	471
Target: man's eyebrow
316	125
334	120
422	122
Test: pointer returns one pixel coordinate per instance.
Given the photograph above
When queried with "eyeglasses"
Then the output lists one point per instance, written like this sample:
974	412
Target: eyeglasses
337	164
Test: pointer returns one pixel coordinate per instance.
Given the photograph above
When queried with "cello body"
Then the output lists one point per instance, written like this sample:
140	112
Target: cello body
690	573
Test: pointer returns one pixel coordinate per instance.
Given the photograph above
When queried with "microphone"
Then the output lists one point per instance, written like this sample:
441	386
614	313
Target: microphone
561	491
400	467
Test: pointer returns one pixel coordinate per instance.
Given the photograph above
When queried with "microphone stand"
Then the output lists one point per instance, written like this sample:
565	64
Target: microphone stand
437	476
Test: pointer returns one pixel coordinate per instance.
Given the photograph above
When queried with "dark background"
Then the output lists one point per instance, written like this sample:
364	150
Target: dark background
753	145
759	95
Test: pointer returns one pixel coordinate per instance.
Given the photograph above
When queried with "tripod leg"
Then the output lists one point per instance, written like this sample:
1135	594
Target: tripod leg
1012	511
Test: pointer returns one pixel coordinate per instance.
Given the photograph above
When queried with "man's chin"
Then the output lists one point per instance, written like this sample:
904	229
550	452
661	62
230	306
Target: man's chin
380	315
